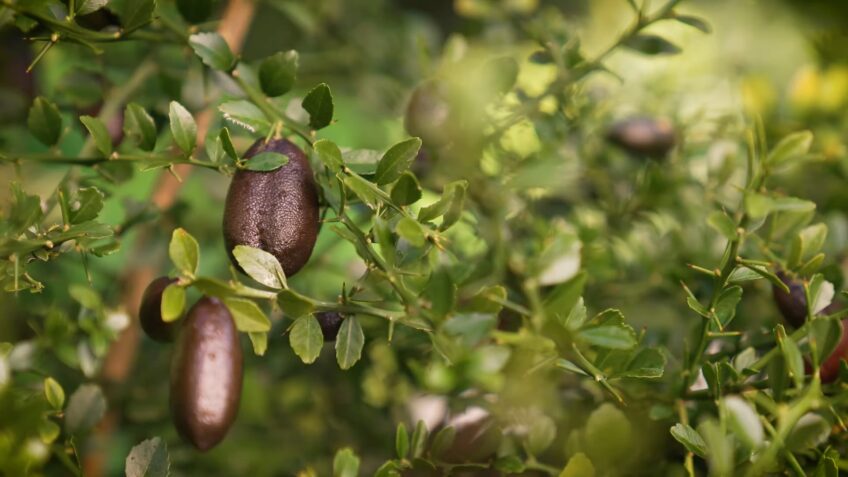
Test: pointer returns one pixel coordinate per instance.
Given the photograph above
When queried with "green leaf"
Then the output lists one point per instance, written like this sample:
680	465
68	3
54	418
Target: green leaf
790	147
48	430
723	224
396	161
54	393
184	251
319	104
540	435
247	115
259	341
306	338
691	440
511	464
812	239
744	421
345	464
266	161
363	189
148	459
329	154
278	72
85	296
652	45
99	133
563	298
140	127
213	50
452	197
792	355
406	190
575	318
84	7
501	74
419	439
810	431
401	441
294	304
260	266
648	363
173	302
44	121
725	308
213	287
247	315
757	205
441	292
86	407
821	293
135	14
579	465
183	127
694	22
443	440
612	337
412	231
88	204
349	342
227	144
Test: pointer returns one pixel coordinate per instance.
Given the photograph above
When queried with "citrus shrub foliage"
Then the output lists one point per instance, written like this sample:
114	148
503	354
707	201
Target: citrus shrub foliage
478	245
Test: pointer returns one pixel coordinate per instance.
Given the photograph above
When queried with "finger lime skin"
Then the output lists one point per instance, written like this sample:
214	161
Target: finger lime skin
644	136
150	312
206	375
331	323
792	305
276	211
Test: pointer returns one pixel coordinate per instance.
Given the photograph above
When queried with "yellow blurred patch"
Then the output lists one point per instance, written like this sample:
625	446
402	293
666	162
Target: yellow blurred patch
833	91
534	79
758	94
804	88
521	139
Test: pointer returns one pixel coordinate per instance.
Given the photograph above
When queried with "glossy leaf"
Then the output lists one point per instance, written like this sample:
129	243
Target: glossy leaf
183	127
99	134
139	126
306	338
184	251
247	315
319	104
278	72
396	161
213	50
150	458
44	121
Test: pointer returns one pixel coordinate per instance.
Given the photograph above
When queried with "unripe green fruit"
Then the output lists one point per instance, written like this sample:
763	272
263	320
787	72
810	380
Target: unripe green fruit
644	136
331	323
206	375
276	211
150	311
428	114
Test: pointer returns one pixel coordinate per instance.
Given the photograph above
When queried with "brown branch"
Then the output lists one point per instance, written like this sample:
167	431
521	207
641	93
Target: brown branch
121	357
